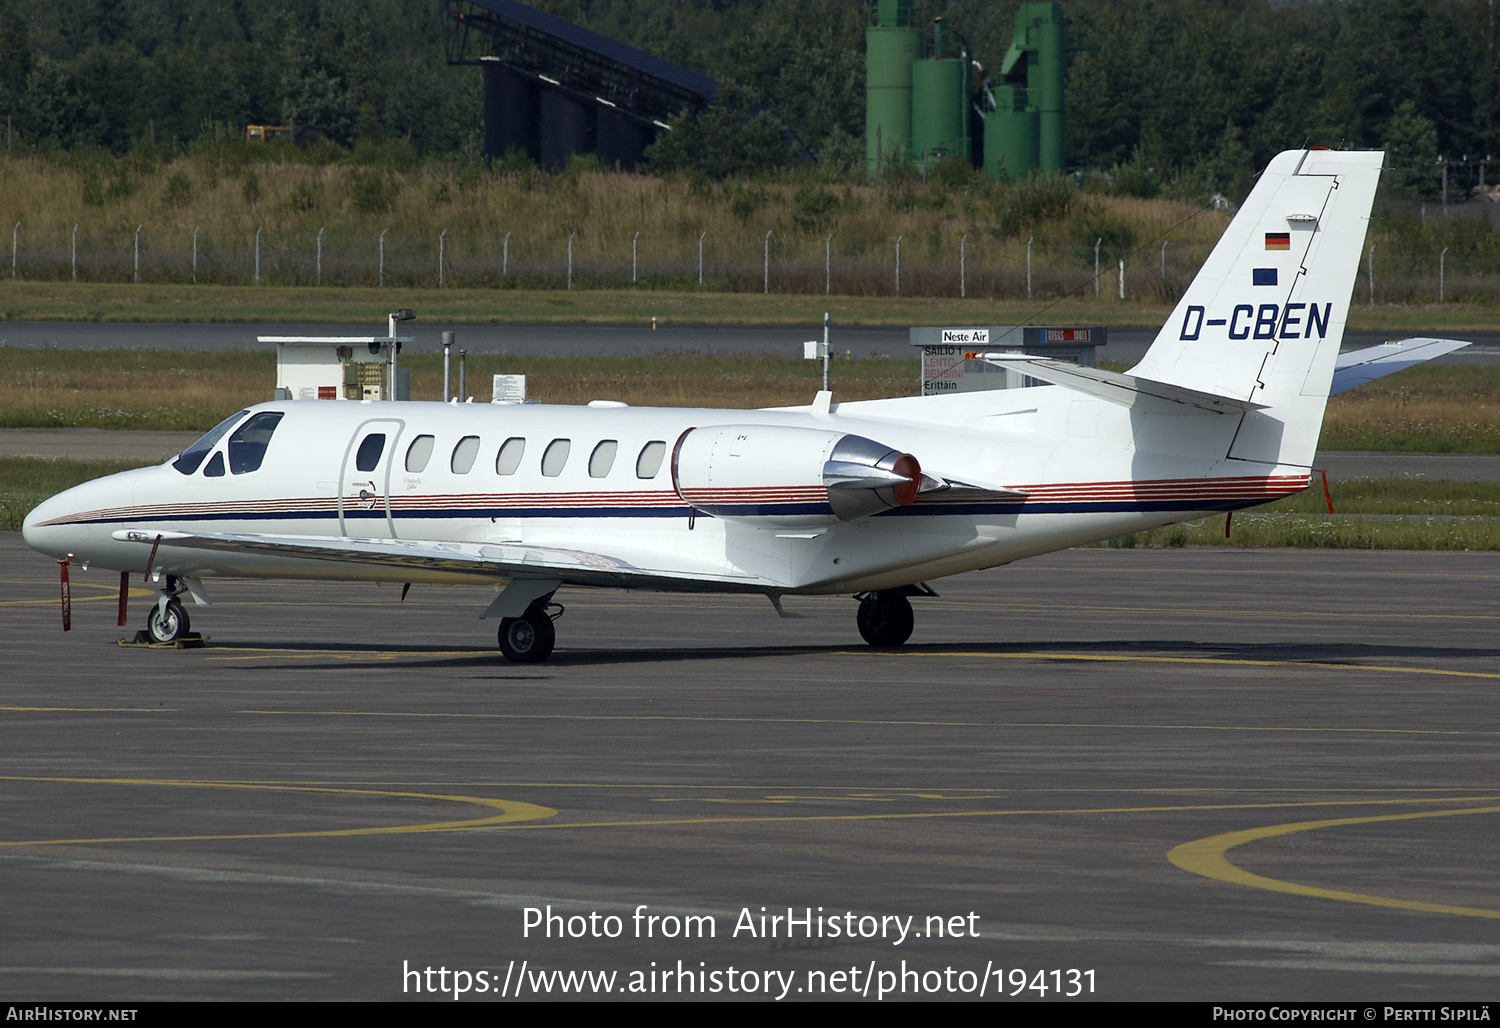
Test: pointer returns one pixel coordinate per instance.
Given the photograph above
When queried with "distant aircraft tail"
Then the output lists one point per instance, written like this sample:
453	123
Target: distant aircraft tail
1263	319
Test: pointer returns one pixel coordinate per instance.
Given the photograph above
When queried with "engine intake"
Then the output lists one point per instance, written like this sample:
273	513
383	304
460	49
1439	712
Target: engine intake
790	476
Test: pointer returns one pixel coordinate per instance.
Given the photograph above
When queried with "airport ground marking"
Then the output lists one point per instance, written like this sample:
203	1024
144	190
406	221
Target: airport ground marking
721	719
1207	857
1017	812
1228	661
248	653
510	811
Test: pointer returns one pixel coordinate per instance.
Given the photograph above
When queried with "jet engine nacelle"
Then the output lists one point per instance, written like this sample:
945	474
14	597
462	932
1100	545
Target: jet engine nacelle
790	476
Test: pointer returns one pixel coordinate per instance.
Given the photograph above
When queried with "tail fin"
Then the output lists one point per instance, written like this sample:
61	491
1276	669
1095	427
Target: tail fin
1263	319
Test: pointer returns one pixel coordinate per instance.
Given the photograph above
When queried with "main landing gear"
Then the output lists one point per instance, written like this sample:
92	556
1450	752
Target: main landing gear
529	638
885	619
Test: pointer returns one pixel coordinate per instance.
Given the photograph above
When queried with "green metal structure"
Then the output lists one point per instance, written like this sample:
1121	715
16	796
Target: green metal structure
928	99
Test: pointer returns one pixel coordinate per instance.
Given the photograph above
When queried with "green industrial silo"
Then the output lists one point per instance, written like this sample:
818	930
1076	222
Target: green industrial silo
1012	134
1033	71
940	102
891	47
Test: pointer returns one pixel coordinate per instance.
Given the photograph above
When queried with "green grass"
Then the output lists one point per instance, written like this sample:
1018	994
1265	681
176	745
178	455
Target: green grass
1406	514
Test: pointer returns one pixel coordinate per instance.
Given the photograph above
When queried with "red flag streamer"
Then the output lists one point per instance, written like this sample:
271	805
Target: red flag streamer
1326	494
67	595
152	559
124	585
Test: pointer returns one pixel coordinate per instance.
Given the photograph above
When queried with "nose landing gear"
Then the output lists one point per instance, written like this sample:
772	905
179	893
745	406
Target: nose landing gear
167	619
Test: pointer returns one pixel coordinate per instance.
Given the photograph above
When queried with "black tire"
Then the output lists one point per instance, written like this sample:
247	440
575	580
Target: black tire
885	620
169	625
529	638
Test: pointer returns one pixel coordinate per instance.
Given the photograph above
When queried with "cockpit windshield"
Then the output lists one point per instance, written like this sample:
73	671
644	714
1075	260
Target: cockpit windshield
188	461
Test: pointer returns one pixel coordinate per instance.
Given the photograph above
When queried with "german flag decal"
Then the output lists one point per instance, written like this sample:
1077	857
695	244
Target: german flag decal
1278	240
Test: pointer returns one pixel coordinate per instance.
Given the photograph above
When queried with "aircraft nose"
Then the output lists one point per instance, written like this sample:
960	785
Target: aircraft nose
38	531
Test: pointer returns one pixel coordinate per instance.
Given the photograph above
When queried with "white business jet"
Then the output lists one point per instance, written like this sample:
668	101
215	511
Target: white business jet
871	498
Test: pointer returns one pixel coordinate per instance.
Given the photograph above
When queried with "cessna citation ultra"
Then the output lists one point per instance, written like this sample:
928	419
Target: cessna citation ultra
871	498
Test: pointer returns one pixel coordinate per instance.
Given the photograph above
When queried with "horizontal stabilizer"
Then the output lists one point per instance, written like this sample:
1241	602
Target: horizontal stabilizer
1360	366
1124	390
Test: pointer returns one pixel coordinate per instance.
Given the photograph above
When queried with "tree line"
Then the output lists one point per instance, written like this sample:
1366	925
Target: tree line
1167	96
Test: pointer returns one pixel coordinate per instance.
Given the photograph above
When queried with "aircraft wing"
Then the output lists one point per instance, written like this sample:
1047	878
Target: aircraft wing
1360	366
484	561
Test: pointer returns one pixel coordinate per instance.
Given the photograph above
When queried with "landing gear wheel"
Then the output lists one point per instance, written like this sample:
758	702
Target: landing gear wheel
529	638
885	620
167	625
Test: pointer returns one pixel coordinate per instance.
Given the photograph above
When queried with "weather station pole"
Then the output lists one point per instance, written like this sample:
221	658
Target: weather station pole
138	252
828	265
898	262
320	255
442	237
257	251
75	253
767	287
700	257
195	253
570	258
961	282
15	240
635	240
382	256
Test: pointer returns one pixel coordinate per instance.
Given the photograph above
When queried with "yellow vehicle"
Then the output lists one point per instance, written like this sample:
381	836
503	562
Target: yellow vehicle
268	134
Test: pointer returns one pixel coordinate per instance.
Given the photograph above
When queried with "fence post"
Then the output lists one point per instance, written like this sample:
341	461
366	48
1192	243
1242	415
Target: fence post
443	235
1122	279
75	253
828	265
767	287
634	241
382	256
1372	276
700	258
138	252
505	257
1096	264
15	239
570	258
898	263
320	255
257	251
1028	267
195	253
1441	256
961	279
1164	261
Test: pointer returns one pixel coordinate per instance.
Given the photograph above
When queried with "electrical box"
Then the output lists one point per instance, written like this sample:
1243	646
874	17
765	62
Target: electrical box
339	367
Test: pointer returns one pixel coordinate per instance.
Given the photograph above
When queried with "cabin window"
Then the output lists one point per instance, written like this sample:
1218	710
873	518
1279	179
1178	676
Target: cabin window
555	456
464	454
215	467
509	457
649	462
603	458
368	456
247	447
418	454
192	457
